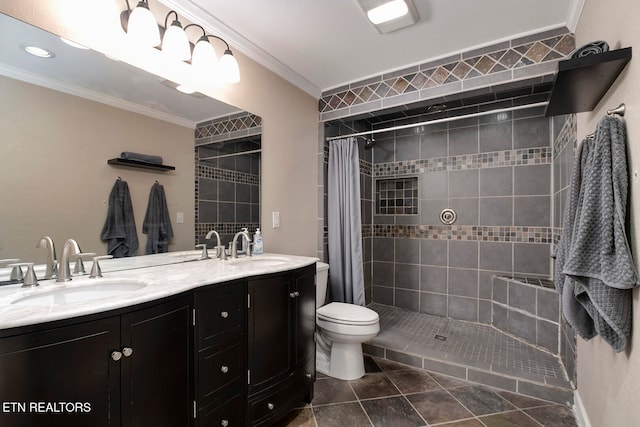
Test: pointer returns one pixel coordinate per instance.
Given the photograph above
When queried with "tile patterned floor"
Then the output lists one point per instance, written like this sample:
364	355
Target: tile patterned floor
396	395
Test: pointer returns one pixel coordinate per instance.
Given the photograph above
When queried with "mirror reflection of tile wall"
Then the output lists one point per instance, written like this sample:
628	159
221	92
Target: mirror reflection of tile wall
227	182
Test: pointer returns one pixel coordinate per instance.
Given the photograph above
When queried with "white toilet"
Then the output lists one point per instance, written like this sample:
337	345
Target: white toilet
341	330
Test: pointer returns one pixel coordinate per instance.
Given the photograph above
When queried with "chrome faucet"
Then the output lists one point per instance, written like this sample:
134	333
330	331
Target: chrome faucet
234	244
220	253
70	248
52	262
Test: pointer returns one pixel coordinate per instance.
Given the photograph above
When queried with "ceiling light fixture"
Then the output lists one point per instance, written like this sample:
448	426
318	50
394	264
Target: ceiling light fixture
176	45
74	44
390	15
38	51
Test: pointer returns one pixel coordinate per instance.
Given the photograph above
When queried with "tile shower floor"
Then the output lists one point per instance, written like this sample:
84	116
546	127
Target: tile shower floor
396	395
466	343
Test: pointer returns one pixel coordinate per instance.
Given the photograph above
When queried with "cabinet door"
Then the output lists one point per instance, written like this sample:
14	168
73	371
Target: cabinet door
305	324
156	385
72	364
270	345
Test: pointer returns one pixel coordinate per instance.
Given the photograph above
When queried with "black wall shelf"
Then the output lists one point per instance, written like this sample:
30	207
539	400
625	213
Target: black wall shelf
138	164
581	83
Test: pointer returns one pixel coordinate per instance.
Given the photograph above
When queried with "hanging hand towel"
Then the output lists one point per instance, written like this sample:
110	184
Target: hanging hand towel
119	230
157	224
596	267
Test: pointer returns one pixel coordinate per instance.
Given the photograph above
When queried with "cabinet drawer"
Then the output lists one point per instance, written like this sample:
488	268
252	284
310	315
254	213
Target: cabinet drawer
219	367
220	313
229	413
277	402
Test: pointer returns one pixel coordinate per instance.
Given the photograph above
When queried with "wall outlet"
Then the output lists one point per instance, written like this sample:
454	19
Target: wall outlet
180	218
276	219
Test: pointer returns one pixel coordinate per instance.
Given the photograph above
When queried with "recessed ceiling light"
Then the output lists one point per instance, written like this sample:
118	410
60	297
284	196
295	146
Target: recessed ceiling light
73	44
38	51
185	89
387	11
390	15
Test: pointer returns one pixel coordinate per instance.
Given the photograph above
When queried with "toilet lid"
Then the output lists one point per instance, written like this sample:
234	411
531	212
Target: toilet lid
339	312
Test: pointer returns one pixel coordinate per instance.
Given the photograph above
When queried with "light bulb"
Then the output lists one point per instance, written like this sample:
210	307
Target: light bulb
175	43
229	69
388	11
142	27
204	58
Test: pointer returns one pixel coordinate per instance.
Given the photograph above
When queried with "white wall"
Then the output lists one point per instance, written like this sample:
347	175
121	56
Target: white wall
609	383
290	118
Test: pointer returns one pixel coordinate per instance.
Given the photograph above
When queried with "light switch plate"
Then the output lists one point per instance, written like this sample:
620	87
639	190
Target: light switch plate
180	218
276	219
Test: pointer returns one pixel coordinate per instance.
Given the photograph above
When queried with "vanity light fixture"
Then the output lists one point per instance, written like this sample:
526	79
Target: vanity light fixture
141	25
390	15
176	45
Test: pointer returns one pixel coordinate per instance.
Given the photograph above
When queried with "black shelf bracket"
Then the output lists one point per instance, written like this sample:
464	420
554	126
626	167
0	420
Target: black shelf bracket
138	164
580	83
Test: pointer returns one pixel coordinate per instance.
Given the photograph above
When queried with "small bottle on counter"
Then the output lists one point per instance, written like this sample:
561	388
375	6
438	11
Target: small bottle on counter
257	243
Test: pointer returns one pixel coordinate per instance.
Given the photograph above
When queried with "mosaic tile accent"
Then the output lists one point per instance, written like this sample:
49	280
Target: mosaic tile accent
529	156
227	175
467	67
224	126
567	135
518	234
398	196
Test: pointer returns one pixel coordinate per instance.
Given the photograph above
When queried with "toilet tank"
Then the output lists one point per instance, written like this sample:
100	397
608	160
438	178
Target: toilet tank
322	275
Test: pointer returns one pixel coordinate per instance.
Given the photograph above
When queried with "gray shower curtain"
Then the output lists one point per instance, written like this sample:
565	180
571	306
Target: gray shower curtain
346	278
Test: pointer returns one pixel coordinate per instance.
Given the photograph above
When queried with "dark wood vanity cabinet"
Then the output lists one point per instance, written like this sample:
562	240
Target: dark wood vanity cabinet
221	367
132	369
281	347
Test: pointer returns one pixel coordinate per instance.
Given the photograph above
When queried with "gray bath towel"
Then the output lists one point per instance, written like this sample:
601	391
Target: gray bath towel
157	223
594	266
148	158
119	230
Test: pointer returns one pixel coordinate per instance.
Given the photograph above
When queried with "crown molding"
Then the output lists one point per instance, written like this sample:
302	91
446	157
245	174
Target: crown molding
56	85
198	15
573	14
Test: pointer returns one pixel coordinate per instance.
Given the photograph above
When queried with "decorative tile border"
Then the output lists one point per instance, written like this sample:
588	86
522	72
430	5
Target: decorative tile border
224	128
528	156
567	135
465	232
500	61
210	172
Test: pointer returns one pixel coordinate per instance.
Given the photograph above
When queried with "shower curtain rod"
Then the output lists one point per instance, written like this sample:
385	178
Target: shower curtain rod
448	119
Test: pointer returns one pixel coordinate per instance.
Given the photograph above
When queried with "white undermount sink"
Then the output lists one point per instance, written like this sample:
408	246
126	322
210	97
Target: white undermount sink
70	293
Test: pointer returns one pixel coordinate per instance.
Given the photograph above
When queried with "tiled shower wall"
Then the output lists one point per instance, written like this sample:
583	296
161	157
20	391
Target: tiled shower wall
227	189
495	172
565	141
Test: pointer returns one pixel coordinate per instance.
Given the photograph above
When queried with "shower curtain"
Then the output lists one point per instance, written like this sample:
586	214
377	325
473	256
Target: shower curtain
346	277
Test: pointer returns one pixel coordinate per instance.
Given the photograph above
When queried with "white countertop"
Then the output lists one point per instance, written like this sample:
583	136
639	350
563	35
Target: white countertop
158	276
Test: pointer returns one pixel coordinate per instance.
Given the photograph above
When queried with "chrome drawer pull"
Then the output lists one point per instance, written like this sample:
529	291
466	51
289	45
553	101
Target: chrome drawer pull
127	351
116	355
224	314
270	406
224	369
224	423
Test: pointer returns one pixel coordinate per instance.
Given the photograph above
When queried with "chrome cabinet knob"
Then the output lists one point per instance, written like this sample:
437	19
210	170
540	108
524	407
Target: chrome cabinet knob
224	314
297	293
270	406
127	351
224	369
224	423
292	294
116	355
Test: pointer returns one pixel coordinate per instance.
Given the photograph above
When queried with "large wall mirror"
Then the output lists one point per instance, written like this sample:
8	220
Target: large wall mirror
64	117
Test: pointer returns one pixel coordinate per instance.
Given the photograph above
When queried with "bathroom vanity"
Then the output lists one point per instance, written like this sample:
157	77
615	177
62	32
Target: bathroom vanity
211	342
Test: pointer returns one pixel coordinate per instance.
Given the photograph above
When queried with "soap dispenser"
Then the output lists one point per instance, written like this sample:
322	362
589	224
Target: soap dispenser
257	242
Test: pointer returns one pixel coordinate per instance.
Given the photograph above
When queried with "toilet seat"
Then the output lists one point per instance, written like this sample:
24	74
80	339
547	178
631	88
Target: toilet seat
347	314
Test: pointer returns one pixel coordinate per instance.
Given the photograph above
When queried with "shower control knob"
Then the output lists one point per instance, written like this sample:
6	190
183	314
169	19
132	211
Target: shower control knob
224	369
116	355
224	314
271	406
